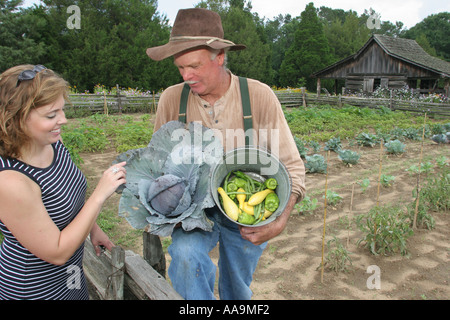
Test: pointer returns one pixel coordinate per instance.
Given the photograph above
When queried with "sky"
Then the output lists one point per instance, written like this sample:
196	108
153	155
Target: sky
410	12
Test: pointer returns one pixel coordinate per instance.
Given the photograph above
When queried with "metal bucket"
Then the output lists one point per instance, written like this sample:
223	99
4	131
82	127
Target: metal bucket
259	162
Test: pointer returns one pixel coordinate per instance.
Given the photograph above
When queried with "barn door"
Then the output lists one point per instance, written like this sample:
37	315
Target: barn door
368	84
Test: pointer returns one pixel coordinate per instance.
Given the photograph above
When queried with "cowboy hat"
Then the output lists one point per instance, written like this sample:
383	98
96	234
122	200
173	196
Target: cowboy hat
194	28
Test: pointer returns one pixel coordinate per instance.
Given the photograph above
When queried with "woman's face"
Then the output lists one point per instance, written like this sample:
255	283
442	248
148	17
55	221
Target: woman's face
44	123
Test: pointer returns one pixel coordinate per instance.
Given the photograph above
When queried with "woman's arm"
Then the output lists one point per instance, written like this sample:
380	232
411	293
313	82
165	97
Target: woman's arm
24	214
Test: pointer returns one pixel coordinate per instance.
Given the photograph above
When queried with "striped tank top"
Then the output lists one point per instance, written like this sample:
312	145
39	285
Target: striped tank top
22	274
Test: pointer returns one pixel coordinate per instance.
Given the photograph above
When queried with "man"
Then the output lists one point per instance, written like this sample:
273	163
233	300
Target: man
199	49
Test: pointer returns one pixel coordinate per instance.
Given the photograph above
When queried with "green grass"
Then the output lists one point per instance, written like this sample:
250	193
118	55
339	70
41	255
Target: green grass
323	123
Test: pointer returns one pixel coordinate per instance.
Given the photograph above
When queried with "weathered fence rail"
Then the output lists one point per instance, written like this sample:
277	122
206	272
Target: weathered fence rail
125	275
121	103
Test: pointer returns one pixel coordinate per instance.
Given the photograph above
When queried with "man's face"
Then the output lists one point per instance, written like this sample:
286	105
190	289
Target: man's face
199	71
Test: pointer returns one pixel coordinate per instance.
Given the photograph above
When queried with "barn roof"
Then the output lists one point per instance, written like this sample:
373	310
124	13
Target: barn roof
404	49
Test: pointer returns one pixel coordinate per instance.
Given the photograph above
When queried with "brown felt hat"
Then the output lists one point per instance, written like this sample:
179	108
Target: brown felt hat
194	28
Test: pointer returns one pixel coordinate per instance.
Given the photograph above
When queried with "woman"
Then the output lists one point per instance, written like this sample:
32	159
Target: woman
43	214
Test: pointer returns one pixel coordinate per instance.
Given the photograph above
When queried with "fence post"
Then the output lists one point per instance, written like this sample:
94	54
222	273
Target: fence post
303	96
391	102
105	105
116	278
119	102
153	253
154	103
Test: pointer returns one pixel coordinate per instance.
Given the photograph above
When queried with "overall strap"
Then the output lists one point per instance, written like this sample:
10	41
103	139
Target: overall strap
183	103
246	108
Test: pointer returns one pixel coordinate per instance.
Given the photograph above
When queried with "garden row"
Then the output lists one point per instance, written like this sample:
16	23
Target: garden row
385	228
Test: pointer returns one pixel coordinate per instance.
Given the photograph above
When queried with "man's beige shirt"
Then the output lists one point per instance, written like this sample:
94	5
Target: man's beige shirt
226	116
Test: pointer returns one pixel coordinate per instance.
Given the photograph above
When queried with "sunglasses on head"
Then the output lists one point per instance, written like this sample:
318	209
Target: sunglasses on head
30	74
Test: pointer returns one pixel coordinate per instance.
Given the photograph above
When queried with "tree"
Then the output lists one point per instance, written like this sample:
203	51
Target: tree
346	36
308	53
280	33
436	29
17	28
242	27
109	48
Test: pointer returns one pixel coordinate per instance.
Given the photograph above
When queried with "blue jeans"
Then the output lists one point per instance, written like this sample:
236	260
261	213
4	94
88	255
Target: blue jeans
192	272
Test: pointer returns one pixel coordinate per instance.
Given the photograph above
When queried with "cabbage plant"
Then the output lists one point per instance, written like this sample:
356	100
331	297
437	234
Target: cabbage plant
168	181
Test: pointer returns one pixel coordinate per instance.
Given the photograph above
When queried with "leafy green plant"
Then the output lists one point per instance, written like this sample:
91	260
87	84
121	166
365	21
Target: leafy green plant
338	257
301	147
441	138
395	147
386	230
315	146
397	134
349	157
425	167
364	184
424	219
333	198
133	136
307	205
386	180
315	164
442	162
413	134
158	168
367	139
436	190
334	144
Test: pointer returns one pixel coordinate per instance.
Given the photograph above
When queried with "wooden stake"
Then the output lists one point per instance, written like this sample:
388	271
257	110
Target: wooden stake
351	214
324	217
379	173
416	210
154	103
105	105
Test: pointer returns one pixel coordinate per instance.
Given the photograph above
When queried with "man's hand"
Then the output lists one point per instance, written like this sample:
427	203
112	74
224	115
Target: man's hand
259	235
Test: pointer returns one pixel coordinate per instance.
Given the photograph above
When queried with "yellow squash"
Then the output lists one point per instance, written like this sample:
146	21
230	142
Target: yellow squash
248	209
230	208
241	198
267	214
259	197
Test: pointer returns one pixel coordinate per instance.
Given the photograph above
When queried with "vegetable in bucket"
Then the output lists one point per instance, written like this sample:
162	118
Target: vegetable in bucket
250	203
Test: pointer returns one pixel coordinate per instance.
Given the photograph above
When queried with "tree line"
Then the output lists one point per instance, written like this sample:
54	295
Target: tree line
108	45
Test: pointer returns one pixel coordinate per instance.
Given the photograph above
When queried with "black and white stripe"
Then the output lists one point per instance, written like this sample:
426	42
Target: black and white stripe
22	274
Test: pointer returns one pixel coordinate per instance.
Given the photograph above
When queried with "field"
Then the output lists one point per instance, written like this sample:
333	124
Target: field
290	266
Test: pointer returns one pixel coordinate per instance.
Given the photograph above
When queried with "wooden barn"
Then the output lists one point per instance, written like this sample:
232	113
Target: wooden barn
390	63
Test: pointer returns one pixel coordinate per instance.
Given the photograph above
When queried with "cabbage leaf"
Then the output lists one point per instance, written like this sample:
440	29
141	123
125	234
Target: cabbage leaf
177	155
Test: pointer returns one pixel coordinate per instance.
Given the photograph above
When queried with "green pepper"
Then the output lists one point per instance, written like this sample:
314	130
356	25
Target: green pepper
246	218
239	182
231	187
272	202
271	183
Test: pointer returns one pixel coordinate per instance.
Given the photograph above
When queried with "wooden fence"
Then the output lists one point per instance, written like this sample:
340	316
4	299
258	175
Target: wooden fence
120	103
295	99
125	275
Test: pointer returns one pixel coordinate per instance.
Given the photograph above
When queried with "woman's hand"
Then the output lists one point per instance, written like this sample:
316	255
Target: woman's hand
99	238
111	179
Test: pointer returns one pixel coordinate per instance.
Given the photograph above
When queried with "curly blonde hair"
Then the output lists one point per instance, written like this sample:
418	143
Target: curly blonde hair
18	98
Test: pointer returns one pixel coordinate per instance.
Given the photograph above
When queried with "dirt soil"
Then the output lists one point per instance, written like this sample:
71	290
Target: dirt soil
289	269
